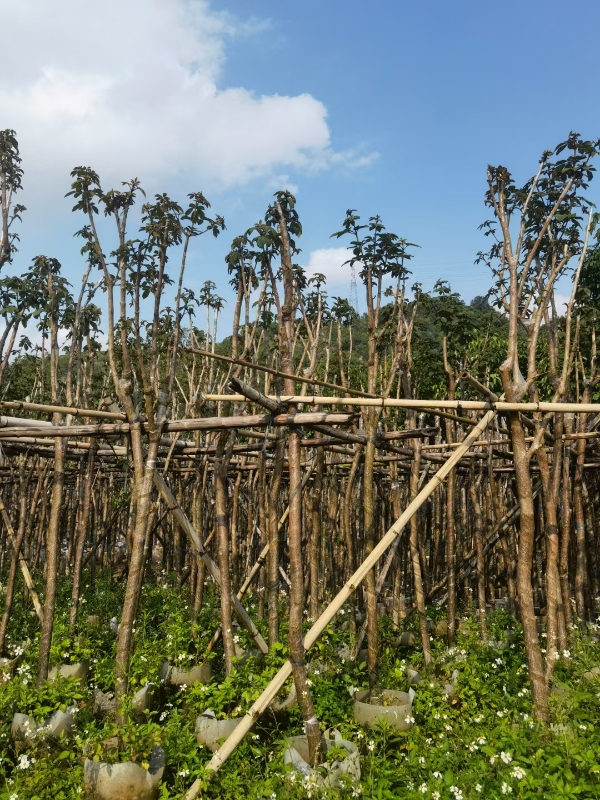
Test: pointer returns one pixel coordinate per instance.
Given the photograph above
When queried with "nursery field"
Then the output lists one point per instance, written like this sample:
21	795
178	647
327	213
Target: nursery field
474	737
329	554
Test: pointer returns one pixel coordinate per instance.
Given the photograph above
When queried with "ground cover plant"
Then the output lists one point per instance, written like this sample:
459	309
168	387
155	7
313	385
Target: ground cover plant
482	740
321	516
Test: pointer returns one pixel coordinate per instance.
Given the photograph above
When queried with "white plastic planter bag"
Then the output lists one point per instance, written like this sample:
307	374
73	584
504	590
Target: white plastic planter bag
210	731
178	677
326	776
77	671
395	708
26	730
127	781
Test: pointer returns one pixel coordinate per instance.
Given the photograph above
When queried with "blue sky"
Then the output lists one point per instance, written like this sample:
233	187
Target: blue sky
439	90
388	107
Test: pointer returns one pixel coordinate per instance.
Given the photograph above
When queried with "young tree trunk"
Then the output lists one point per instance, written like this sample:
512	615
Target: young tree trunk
311	724
198	523
143	491
478	529
286	333
52	554
539	686
235	514
273	554
550	500
222	456
581	569
369	543
315	533
16	550
82	530
419	598
347	516
450	508
592	549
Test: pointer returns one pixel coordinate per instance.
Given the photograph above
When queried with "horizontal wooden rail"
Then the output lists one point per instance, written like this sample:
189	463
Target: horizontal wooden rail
205	423
74	411
394	402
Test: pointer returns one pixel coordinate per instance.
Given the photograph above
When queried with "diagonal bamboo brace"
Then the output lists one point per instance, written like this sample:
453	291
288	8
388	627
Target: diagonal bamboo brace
186	526
332	609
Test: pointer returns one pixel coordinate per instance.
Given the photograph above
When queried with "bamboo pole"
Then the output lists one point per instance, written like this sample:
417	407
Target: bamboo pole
332	609
187	527
118	450
272	371
23	422
204	423
74	411
22	564
394	402
495	442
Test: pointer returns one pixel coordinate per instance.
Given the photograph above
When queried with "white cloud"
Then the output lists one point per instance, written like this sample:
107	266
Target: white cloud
282	182
132	87
329	261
